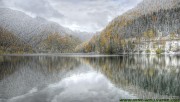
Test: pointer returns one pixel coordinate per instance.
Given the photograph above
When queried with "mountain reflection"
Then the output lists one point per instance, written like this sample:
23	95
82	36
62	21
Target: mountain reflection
18	75
157	74
140	76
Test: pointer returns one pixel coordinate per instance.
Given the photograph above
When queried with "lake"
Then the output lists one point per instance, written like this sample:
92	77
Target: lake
88	78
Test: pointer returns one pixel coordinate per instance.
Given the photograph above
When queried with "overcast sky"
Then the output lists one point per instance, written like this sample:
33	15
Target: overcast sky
82	15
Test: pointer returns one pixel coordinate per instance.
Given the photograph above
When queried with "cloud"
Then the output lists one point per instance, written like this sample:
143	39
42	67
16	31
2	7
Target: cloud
36	7
83	15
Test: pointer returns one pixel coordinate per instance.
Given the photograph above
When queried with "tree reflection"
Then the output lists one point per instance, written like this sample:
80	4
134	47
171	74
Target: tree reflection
158	74
19	74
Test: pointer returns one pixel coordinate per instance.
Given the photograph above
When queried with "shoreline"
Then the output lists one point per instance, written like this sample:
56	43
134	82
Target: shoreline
84	54
63	54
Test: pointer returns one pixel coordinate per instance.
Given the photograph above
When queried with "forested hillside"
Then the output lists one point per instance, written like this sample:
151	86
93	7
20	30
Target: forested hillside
19	31
59	44
54	43
9	43
141	23
153	26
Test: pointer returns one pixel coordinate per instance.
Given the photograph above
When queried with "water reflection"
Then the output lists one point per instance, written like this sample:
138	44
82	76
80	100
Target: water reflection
86	87
64	79
21	74
157	74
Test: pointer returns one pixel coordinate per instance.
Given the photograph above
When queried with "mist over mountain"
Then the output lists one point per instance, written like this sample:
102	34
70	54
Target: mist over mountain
148	20
26	27
34	31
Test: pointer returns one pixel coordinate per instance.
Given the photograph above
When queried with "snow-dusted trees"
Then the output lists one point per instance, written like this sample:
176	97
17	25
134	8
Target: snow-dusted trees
134	25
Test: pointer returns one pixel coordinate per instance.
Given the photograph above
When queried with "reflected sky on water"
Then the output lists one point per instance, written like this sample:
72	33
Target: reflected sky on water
86	79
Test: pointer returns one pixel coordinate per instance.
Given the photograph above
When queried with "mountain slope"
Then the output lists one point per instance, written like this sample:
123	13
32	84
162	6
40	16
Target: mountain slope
150	19
59	44
25	26
11	44
147	7
34	31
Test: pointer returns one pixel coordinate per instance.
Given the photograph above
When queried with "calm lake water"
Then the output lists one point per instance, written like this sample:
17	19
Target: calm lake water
88	78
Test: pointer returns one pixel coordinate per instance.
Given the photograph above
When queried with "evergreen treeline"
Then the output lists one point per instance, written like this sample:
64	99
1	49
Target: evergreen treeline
112	38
